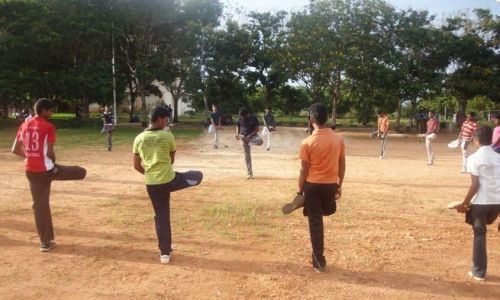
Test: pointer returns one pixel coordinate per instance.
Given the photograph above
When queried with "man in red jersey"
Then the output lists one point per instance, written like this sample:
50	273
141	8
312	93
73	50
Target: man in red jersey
35	142
466	134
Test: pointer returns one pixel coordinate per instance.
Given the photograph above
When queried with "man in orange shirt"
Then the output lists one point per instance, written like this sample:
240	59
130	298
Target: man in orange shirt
383	128
322	157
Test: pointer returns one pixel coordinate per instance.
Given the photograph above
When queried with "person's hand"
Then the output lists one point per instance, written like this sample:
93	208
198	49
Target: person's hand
462	208
338	193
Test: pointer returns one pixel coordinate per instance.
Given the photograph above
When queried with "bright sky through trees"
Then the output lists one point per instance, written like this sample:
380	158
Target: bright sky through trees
440	7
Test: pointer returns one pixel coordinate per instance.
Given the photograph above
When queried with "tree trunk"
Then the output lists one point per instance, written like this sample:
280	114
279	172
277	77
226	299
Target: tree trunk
133	95
267	97
398	118
144	109
335	90
205	102
175	98
84	104
463	105
5	108
335	98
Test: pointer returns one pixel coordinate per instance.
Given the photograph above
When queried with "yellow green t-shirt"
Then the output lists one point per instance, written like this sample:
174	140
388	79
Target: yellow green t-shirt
154	147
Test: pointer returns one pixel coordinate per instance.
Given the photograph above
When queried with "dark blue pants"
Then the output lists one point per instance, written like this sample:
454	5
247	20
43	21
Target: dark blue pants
481	215
160	198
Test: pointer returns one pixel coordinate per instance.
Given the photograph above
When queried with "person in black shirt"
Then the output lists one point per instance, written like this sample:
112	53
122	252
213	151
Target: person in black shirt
269	126
215	120
108	126
246	131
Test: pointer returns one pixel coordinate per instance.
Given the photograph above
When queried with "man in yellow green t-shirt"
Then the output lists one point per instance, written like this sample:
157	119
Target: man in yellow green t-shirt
154	154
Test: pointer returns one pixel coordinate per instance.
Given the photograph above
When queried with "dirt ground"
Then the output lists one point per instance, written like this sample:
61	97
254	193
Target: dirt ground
392	236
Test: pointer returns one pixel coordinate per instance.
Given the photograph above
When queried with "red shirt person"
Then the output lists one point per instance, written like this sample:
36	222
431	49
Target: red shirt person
430	135
35	143
469	127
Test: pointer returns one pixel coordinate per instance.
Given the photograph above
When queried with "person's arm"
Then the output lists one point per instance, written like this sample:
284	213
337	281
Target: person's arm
50	152
172	157
219	121
473	188
304	171
341	176
18	148
495	138
138	164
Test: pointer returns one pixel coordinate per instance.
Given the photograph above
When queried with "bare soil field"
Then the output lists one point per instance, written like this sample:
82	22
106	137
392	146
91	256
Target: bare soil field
392	236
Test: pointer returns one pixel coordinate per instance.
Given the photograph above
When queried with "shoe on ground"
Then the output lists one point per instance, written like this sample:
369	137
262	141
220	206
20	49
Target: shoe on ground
475	277
46	247
430	163
297	202
319	269
268	149
165	258
249	177
215	147
382	157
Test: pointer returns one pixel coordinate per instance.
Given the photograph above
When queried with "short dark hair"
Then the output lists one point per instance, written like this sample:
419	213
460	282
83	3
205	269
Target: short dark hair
432	112
319	113
158	112
268	107
472	114
483	135
243	111
381	112
43	104
497	117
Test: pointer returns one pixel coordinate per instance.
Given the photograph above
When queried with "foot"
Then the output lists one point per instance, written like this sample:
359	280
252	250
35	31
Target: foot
319	269
165	258
249	177
475	277
268	149
430	163
382	157
215	147
46	247
463	171
297	202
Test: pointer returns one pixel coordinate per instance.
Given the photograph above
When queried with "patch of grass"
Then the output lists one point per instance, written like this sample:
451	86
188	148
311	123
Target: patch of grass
238	213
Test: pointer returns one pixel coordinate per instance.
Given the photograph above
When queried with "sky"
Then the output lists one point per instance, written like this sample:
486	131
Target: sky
440	8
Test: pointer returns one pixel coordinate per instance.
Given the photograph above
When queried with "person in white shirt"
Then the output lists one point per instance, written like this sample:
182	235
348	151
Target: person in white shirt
482	201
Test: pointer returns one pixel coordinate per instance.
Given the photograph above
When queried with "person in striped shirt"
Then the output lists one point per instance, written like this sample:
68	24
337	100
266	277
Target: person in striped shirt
430	135
383	128
466	134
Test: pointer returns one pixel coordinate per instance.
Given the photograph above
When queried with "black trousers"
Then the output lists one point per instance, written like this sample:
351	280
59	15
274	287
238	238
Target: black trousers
319	202
160	198
40	183
479	216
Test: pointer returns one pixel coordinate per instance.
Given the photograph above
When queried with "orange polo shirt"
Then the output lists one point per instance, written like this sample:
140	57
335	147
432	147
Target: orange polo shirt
322	151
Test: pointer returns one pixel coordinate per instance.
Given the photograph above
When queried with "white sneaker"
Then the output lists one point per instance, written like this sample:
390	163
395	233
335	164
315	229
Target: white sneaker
382	157
475	277
430	163
165	259
249	177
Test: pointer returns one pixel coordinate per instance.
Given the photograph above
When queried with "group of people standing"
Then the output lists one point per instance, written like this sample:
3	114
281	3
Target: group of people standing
465	137
319	185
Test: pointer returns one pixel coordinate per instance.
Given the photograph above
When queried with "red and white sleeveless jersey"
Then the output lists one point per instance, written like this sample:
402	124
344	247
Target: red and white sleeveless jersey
35	136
